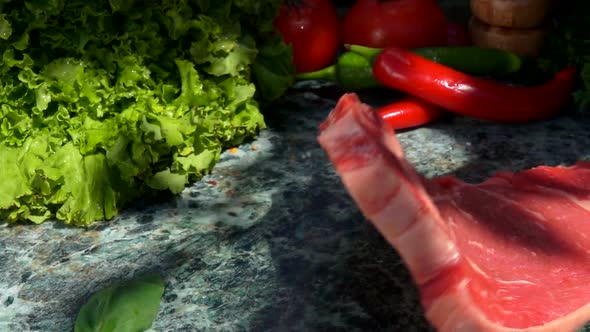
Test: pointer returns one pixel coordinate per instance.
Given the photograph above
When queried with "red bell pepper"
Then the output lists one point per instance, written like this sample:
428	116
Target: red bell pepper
471	96
409	112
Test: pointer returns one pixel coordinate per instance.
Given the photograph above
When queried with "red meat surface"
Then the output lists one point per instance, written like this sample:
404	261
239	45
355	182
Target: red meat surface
509	254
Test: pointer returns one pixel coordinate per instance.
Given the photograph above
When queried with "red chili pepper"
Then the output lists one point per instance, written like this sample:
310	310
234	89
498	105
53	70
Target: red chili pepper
467	95
409	112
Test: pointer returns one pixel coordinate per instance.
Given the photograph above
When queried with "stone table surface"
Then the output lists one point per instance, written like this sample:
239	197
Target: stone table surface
270	240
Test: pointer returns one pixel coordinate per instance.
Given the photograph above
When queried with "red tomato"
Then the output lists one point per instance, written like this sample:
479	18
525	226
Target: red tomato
400	23
457	35
312	27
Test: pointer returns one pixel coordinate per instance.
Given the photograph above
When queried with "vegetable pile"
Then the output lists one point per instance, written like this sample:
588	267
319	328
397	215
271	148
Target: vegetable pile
443	69
104	101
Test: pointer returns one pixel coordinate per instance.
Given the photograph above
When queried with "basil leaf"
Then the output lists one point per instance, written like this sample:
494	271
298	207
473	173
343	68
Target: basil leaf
131	306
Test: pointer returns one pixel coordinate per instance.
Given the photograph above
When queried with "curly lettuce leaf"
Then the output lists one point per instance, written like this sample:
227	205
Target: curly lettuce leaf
273	69
102	102
15	183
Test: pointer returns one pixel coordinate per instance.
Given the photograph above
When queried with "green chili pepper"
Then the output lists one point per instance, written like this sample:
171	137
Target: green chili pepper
353	70
468	59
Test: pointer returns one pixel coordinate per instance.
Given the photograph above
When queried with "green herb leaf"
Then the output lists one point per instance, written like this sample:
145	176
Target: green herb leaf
568	44
128	307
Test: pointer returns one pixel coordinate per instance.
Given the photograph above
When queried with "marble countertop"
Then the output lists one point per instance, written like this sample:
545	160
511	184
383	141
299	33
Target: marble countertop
270	241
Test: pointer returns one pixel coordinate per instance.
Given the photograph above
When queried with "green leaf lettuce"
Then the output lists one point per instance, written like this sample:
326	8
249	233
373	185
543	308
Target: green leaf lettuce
102	102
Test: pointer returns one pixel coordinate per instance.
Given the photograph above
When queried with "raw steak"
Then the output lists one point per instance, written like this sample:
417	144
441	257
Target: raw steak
509	254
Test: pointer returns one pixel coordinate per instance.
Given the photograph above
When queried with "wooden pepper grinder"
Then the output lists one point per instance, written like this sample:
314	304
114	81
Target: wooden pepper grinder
519	26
